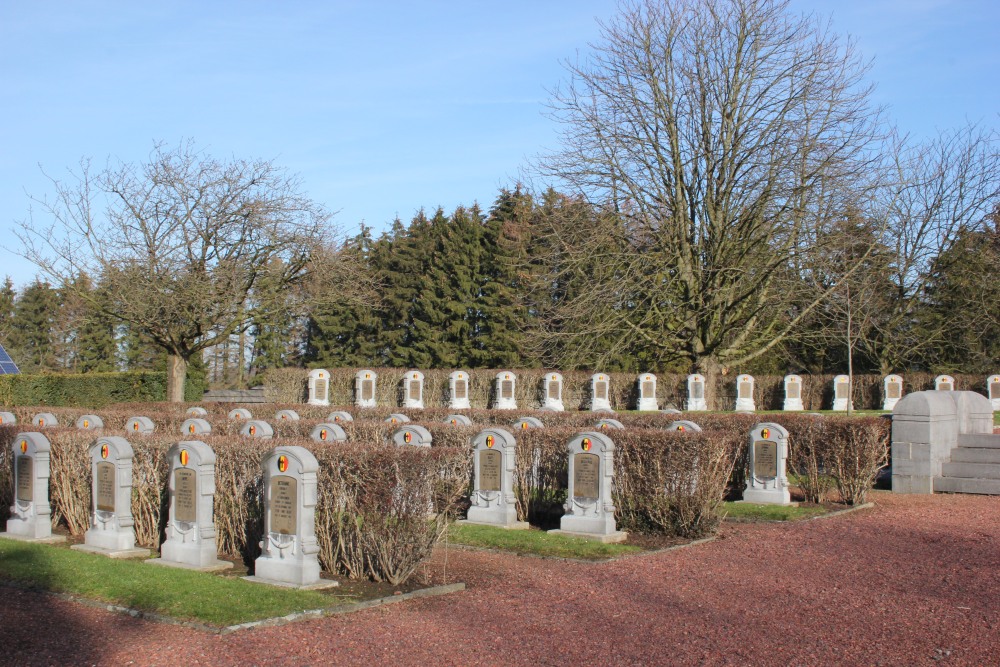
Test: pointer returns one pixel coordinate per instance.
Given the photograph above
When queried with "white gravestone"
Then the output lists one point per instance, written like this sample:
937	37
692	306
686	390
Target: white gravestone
44	420
286	416
89	423
552	386
993	388
31	515
289	551
505	396
458	420
191	531
600	393
524	423
411	435
590	511
841	393
458	385
493	500
696	393
793	394
319	387
744	394
647	392
609	425
239	414
340	417
413	390
397	418
139	426
892	391
364	389
255	428
767	482
8	419
195	426
329	432
112	531
196	411
944	383
684	426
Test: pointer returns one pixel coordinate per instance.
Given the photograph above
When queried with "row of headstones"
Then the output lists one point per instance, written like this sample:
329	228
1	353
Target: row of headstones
552	387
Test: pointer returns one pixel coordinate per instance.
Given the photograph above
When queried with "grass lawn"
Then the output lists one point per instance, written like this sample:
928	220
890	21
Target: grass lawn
536	542
752	512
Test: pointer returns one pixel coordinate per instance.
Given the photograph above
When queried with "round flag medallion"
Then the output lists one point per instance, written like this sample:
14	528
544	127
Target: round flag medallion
524	426
104	451
252	430
322	434
135	425
489	441
184	457
190	428
680	428
282	463
407	437
765	433
586	444
24	446
86	423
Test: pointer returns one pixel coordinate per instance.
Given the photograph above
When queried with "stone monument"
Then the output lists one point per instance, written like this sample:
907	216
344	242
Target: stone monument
600	393
744	394
767	483
397	418
552	386
239	414
195	426
504	386
524	423
31	515
411	435
696	393
793	394
255	428
364	389
196	411
413	390
944	383
684	426
458	384
89	423
609	425
328	433
647	392
493	500
140	425
319	387
993	387
45	420
7	419
841	393
458	420
892	391
590	511
286	416
339	417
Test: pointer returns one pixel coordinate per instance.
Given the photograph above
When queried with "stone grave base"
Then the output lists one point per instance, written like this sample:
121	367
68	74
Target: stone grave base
517	525
767	497
217	566
609	538
112	553
51	539
316	586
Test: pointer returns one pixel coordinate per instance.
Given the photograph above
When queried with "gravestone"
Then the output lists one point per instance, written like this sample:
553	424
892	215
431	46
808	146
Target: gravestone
600	393
552	386
139	426
112	531
793	393
744	394
286	416
240	413
7	419
340	416
493	500
841	393
319	387
255	428
684	426
328	433
195	427
364	389
411	435
191	531
892	391
590	511
993	388
670	411
767	482
944	383
196	411
458	385
31	515
504	386
289	550
44	420
609	425
647	392
696	393
89	423
413	390
397	418
524	423
458	420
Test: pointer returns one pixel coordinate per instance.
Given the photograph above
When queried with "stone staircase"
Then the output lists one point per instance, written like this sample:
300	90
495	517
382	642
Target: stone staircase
974	466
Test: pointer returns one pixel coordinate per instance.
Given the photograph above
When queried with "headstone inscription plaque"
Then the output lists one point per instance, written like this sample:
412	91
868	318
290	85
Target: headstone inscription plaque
744	394
767	482
793	394
647	392
892	391
841	393
493	500
944	383
413	390
552	387
364	389
329	432
589	509
89	423
31	515
696	393
255	428
458	384
319	387
993	388
505	395
600	393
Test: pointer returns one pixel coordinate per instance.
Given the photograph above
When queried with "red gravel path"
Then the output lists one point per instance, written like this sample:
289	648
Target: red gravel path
912	581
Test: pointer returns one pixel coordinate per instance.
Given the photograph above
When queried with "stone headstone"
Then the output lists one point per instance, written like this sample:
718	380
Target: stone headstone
944	383
458	384
505	395
647	392
993	388
793	394
7	419
609	425
524	423
44	420
684	426
744	394
841	393
925	429
339	417
319	387
892	391
112	531
552	387
329	432
240	413
31	515
289	550
191	531
600	393
139	426
286	416
767	482
670	411
589	509
397	418
195	427
411	435
696	393
196	411
493	500
89	423
364	389
413	390
458	420
255	428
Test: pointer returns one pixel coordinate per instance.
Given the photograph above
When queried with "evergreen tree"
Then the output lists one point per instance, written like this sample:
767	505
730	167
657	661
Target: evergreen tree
8	299
35	311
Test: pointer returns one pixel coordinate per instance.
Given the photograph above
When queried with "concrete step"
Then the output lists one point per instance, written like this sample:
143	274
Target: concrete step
971	470
979	440
975	455
989	487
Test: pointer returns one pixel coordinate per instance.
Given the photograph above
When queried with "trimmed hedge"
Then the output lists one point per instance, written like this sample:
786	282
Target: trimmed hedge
91	390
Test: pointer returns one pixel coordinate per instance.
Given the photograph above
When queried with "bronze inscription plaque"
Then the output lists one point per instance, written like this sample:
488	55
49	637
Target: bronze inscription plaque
185	500
104	483
765	459
321	389
647	389
745	390
367	390
793	390
284	496
460	388
841	390
490	469
697	390
994	389
586	476
893	390
507	389
601	390
945	386
554	389
415	389
25	481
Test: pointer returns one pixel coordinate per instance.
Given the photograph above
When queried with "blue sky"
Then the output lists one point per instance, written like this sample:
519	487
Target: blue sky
381	107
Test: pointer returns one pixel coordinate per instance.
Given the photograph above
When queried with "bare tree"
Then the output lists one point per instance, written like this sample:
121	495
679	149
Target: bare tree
182	243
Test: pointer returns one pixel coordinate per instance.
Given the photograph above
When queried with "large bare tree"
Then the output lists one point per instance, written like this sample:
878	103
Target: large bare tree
183	243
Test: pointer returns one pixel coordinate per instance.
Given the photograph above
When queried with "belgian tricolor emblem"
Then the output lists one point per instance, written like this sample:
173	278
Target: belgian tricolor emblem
489	441
282	463
184	457
407	437
104	451
586	444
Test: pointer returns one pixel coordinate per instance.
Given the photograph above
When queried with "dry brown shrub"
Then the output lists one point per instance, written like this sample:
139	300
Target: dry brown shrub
540	474
808	455
69	483
859	450
7	436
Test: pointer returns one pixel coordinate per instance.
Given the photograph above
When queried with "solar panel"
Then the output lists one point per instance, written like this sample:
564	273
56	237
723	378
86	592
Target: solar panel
7	365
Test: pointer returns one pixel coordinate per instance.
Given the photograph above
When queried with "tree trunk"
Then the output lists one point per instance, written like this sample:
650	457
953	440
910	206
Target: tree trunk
712	370
176	374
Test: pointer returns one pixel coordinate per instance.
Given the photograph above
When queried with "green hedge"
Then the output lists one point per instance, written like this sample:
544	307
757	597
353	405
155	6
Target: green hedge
91	390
